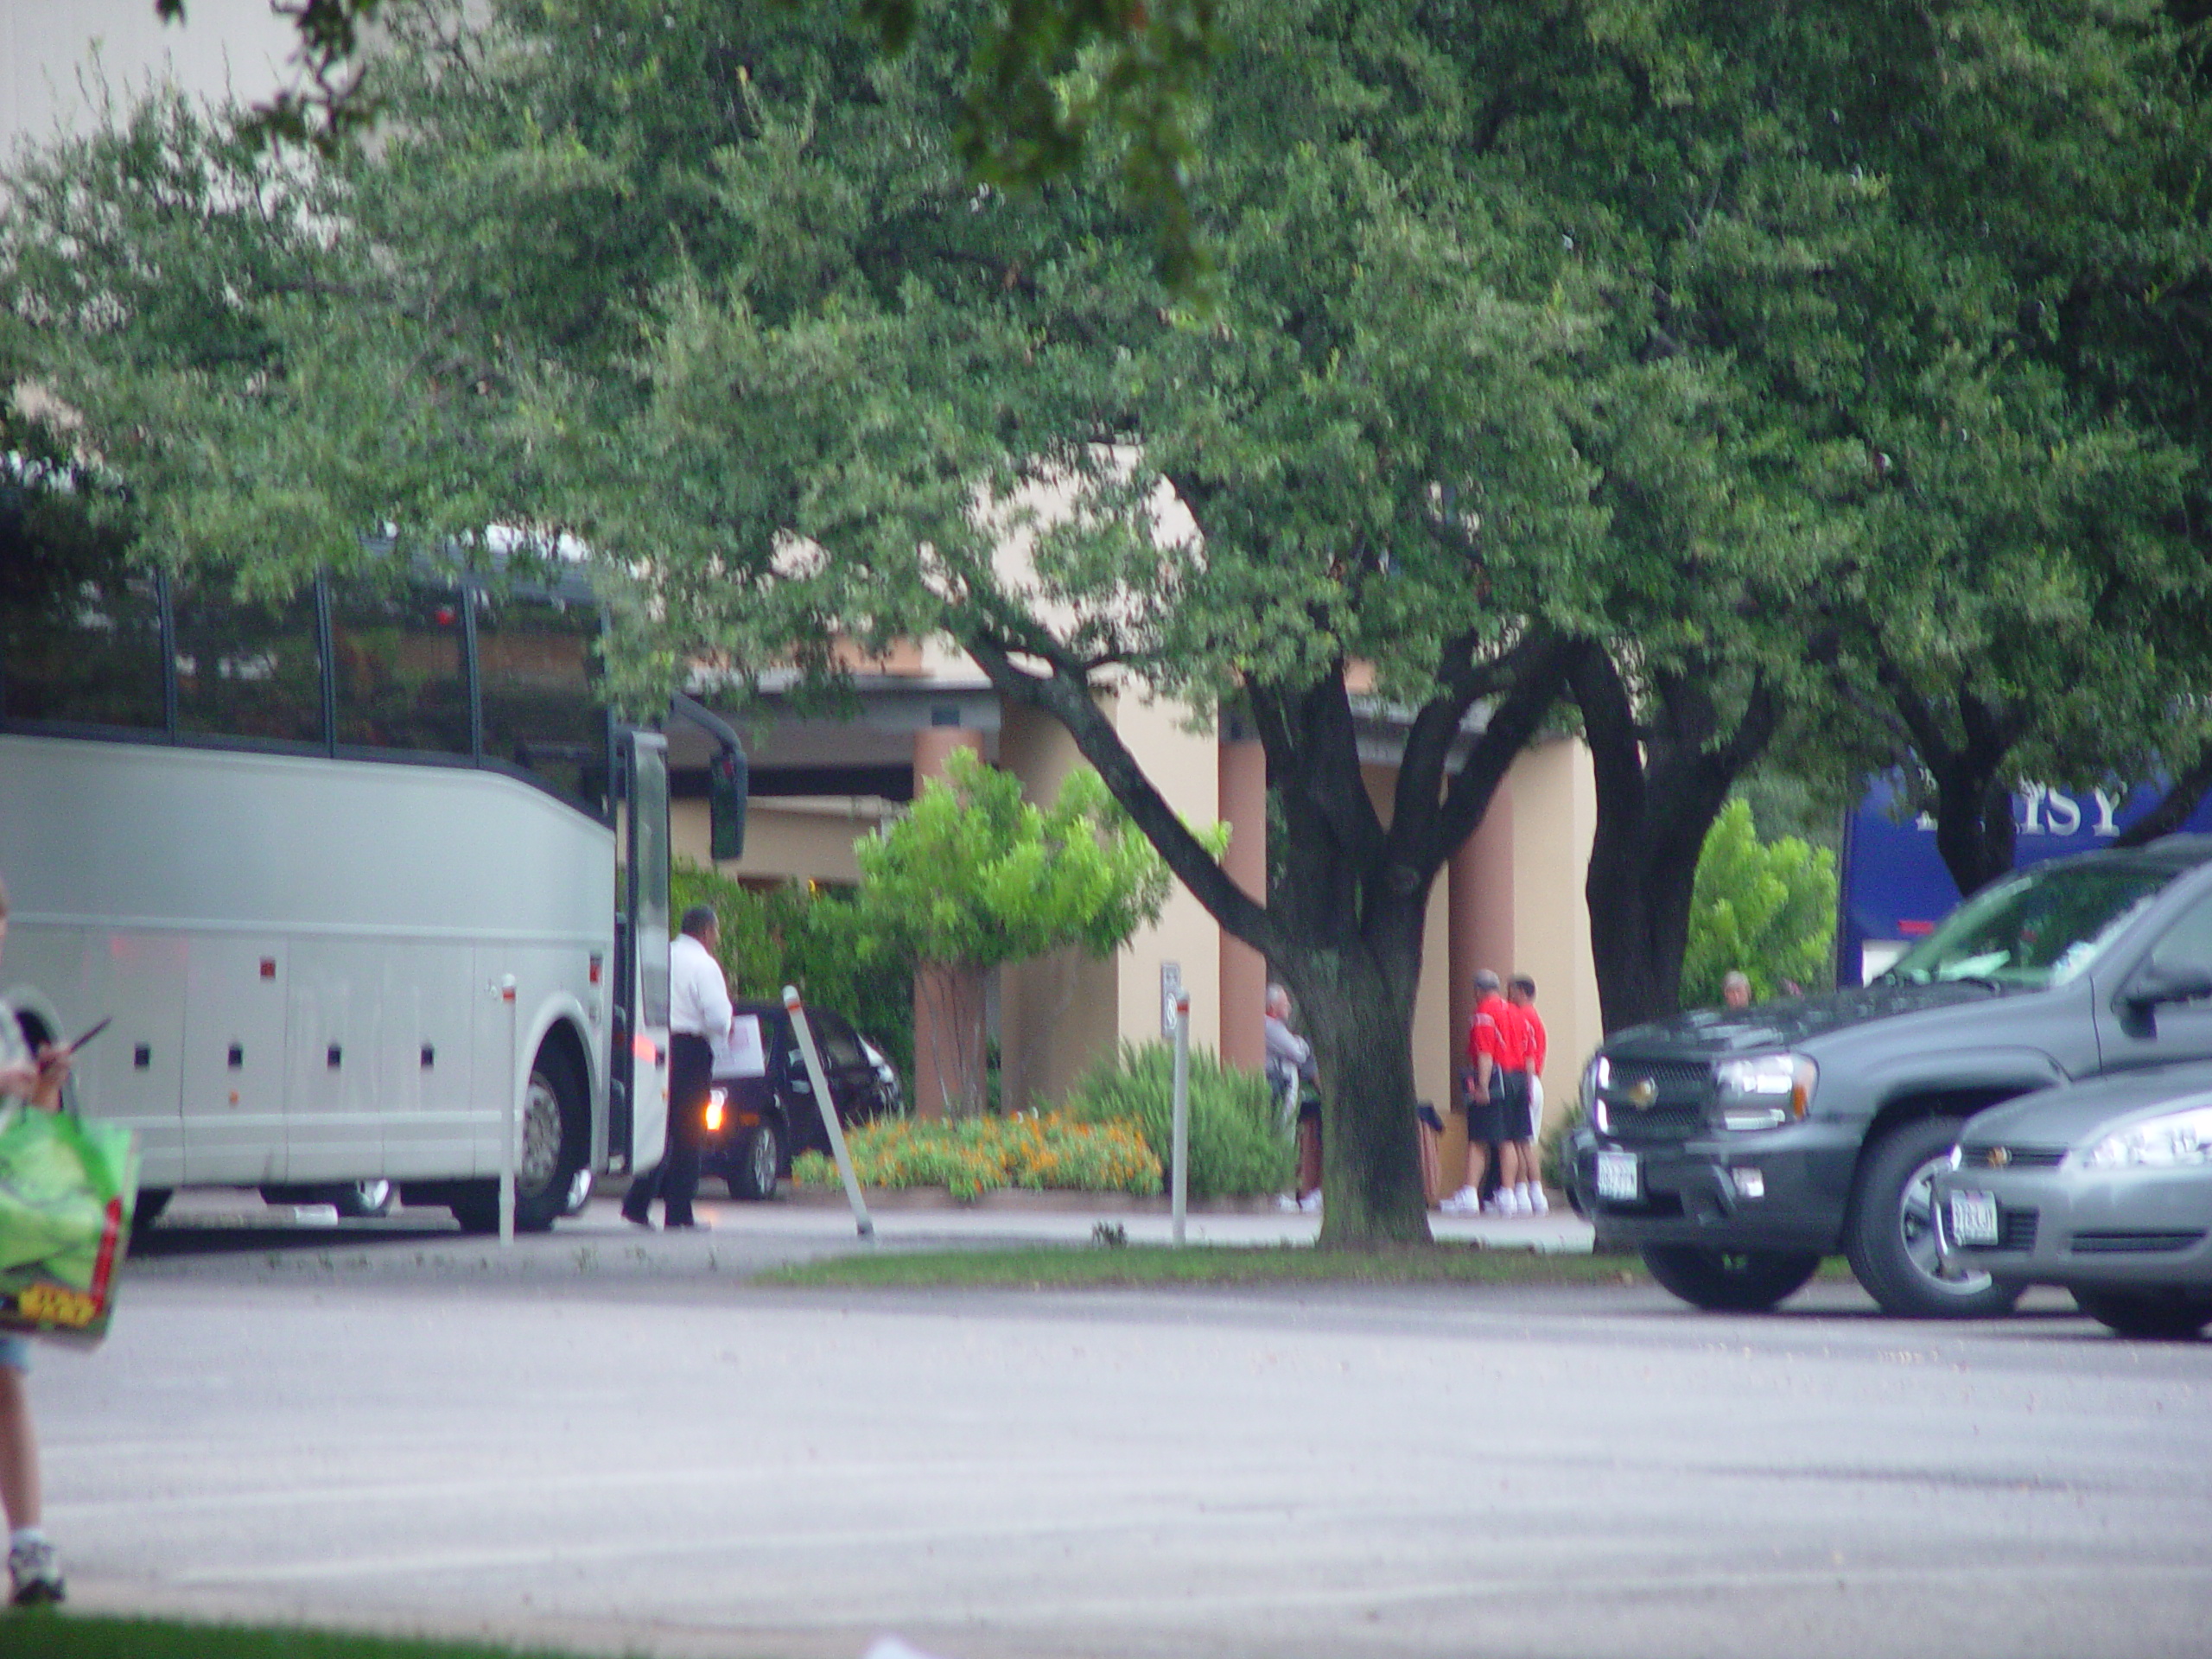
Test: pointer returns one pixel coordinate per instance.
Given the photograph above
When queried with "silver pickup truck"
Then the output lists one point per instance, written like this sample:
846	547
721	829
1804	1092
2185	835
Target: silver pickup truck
1734	1150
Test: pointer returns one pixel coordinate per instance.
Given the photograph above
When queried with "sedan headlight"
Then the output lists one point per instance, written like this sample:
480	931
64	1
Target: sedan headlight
2175	1140
1765	1091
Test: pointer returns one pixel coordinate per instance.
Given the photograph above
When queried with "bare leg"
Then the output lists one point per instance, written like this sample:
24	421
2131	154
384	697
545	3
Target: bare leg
19	1485
1309	1156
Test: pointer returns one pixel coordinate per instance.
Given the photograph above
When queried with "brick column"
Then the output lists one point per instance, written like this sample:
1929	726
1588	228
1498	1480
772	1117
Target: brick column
944	997
1243	794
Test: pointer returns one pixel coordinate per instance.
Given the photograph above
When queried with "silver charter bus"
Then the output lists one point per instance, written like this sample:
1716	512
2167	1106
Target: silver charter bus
359	876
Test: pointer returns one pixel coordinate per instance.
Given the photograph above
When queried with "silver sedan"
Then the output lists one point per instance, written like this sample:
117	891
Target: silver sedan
2104	1187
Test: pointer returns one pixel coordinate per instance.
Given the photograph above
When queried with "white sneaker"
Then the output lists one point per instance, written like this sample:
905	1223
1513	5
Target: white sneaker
1310	1203
1465	1202
1287	1201
34	1574
1496	1205
1509	1203
1543	1205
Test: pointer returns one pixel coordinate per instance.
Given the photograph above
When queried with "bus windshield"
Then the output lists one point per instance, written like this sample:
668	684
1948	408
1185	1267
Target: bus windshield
2034	930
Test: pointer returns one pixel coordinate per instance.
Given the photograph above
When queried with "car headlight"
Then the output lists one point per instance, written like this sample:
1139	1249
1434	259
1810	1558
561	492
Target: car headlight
1765	1091
717	1103
1597	1075
2175	1140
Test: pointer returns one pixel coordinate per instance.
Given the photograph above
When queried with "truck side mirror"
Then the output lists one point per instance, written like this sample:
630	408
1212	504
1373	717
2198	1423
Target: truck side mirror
727	789
2160	982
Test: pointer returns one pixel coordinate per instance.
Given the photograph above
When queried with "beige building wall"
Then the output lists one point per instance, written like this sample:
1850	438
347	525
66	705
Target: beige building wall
785	840
1184	766
1555	803
1058	1014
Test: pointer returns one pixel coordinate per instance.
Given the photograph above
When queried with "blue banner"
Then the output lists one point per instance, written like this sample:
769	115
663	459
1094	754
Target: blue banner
1895	888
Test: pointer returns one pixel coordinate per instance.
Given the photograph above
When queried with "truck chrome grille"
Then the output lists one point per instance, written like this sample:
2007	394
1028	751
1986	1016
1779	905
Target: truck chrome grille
1680	1092
2002	1157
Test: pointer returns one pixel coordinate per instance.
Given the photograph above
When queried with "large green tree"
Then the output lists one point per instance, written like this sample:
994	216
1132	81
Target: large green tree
715	291
1567	349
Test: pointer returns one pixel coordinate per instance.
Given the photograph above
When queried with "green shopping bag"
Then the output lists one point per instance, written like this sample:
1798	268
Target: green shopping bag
67	1188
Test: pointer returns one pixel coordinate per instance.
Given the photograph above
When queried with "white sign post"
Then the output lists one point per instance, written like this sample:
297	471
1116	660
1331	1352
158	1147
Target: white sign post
827	1106
511	1130
1180	1178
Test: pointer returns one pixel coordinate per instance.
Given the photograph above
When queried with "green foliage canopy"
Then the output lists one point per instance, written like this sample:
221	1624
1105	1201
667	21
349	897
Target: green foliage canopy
974	876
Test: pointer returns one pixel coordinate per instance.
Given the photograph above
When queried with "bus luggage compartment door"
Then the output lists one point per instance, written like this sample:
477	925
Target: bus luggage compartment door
235	988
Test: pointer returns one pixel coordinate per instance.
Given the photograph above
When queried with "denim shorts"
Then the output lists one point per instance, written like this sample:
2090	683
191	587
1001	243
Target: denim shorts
15	1352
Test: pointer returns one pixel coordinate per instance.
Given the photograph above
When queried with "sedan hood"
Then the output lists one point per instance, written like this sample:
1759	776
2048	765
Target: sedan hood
2074	1113
1708	1034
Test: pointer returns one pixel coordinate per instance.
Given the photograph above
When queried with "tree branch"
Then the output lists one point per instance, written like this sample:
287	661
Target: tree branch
2174	808
1067	698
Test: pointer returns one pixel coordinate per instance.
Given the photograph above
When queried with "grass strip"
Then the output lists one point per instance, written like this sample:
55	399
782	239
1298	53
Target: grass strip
1052	1267
63	1635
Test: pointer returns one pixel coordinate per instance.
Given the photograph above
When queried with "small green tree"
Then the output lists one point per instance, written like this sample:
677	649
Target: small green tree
974	877
1767	908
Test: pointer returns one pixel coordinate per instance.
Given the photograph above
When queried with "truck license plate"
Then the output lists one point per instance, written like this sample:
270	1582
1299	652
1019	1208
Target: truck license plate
1616	1176
1973	1217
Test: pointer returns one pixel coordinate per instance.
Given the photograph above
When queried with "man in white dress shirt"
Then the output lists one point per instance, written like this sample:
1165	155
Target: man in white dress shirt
698	1010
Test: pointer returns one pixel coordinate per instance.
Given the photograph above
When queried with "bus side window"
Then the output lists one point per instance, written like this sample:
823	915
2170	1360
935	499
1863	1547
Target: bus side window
542	711
397	663
247	668
81	639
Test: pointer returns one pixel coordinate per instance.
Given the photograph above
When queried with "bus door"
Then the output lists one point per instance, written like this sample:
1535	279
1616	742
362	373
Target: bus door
637	1095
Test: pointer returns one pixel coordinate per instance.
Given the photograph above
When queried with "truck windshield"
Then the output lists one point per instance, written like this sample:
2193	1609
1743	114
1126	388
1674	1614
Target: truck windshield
2034	930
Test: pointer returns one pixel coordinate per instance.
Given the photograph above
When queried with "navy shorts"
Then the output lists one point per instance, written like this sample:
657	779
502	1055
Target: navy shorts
1505	1115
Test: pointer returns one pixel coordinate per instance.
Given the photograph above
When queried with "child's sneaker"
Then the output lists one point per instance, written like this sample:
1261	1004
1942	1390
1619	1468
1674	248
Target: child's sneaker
33	1574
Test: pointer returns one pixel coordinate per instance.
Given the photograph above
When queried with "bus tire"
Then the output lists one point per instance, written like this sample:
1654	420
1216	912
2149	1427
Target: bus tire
152	1200
556	1144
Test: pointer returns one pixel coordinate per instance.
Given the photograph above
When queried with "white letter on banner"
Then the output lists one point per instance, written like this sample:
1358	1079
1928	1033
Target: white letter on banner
2104	805
2030	822
2065	813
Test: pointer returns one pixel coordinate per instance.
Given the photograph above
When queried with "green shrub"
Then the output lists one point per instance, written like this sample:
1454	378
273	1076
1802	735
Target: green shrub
1239	1147
812	937
971	1156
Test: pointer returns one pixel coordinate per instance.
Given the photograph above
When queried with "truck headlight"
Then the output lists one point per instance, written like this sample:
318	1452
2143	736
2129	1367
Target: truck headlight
2172	1141
1765	1091
1595	1076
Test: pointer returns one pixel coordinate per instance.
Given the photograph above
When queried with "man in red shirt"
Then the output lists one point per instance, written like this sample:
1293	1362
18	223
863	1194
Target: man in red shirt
1521	995
1496	1092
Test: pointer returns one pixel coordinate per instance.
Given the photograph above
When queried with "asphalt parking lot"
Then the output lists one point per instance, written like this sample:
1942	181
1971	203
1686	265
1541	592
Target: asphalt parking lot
610	1442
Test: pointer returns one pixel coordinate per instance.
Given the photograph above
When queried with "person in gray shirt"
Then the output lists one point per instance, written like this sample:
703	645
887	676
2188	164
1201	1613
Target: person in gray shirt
1290	1070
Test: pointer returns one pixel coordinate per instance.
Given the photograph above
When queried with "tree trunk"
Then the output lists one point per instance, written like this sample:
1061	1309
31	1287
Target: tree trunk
1357	1006
1975	831
1661	784
2180	801
1343	924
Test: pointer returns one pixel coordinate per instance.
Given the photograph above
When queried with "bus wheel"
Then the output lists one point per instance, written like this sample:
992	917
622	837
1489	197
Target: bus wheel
362	1201
556	1144
152	1200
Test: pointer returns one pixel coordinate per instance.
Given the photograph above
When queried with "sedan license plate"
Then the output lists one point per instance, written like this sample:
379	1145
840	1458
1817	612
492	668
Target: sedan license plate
1973	1217
1616	1176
